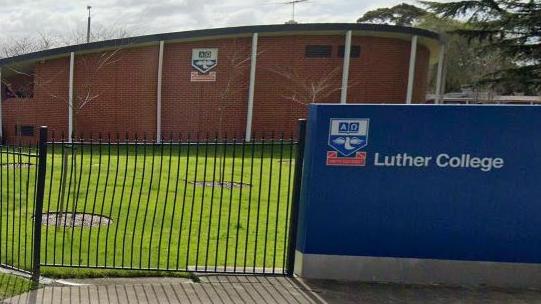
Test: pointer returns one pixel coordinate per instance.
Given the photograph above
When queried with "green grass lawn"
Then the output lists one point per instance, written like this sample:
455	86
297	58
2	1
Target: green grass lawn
11	286
160	219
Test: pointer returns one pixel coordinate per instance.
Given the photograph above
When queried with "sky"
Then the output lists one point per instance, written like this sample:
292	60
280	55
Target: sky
27	18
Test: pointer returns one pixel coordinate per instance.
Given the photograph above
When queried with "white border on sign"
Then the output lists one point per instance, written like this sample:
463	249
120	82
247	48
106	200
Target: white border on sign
213	57
367	133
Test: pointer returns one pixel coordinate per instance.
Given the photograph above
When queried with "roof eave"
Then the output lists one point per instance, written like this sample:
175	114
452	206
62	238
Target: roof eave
216	33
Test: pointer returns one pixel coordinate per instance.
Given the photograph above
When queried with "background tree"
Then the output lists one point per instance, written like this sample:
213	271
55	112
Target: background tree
466	66
510	27
98	33
14	46
402	14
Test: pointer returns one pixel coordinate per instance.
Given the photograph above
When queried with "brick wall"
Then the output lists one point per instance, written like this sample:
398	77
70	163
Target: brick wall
47	107
115	91
285	78
206	107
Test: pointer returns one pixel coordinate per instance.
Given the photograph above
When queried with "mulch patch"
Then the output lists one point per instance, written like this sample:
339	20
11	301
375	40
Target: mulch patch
79	220
17	165
218	184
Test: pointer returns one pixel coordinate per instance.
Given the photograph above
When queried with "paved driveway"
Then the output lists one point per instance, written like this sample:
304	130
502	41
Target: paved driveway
251	289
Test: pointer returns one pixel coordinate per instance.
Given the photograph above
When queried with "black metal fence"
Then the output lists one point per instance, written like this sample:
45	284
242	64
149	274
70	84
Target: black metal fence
18	176
186	204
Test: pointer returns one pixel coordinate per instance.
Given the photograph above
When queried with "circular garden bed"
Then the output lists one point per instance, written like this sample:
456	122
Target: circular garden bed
69	219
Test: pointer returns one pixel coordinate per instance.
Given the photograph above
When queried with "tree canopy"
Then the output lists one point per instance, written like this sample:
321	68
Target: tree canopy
476	56
403	14
511	27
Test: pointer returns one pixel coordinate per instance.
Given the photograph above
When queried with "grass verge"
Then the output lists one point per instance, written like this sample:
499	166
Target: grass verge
11	285
78	273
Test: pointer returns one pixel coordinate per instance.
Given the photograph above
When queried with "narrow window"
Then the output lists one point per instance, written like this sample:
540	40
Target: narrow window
318	51
355	51
24	130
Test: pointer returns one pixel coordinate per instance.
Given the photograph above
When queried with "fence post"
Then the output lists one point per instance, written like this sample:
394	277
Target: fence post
297	181
38	207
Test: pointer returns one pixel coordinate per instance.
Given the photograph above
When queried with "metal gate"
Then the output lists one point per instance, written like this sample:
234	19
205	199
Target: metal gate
21	195
204	204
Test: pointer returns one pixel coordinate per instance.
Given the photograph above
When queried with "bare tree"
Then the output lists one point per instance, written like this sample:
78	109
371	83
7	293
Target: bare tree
300	88
98	33
12	46
18	46
89	88
237	65
86	91
305	90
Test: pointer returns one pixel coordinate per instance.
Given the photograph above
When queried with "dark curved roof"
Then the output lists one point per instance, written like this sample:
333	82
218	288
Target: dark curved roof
275	28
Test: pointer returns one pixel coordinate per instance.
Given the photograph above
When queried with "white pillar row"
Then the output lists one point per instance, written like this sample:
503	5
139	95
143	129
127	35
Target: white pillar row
440	77
411	74
159	95
345	69
251	89
70	97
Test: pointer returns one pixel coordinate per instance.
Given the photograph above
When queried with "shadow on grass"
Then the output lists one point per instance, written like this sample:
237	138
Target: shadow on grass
11	285
84	273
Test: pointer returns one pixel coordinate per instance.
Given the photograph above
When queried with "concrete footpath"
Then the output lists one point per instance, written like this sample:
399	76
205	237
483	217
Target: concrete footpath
259	289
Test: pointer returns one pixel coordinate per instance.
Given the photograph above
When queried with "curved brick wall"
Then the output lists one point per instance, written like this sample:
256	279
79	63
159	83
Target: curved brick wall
123	90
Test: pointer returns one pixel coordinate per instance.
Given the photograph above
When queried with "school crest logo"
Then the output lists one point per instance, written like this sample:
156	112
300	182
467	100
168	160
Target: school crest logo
347	137
204	60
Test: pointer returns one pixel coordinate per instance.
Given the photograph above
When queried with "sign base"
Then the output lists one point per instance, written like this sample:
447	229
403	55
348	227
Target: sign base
196	76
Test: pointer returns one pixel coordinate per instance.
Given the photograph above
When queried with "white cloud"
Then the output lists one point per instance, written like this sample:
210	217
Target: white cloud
23	18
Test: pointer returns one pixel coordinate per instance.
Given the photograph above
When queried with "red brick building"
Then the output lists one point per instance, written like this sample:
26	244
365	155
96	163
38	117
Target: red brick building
260	79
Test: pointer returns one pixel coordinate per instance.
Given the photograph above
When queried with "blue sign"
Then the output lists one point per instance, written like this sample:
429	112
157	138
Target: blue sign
436	182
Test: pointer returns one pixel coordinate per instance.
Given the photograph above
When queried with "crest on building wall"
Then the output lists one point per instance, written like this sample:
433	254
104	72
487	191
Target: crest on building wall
204	60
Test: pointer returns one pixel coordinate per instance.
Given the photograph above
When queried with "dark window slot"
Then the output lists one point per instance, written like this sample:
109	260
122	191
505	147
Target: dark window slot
318	51
24	130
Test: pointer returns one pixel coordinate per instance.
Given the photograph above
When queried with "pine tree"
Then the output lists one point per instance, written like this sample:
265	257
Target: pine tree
465	65
511	27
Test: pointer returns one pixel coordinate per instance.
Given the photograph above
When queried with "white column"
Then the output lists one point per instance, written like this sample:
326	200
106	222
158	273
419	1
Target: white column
411	74
251	89
345	69
444	77
159	96
1	124
439	76
70	97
